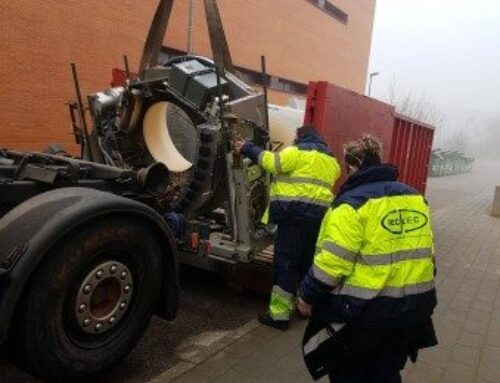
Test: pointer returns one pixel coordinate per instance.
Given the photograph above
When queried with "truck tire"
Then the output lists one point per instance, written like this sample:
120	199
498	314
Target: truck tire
91	299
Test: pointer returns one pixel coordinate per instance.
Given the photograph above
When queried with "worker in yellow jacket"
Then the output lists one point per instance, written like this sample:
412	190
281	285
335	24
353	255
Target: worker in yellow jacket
372	279
303	176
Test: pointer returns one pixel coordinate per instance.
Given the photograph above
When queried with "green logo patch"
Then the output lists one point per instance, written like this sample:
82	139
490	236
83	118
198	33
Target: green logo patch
404	221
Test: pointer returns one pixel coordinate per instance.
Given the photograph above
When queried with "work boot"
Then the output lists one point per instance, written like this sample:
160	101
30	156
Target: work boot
266	319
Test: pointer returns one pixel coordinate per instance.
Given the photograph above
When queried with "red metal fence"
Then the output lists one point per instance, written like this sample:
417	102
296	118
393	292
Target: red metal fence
341	115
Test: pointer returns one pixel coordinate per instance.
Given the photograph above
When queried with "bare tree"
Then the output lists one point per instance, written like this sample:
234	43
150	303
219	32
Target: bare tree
420	107
485	142
457	140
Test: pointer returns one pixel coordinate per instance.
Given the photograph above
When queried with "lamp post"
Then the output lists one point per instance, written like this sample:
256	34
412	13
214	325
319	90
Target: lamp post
372	75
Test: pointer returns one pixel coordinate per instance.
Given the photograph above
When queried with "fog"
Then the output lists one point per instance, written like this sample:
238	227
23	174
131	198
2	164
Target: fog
448	52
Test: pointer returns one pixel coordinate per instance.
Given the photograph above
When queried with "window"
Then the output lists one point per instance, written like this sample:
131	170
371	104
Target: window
249	76
273	82
170	53
332	10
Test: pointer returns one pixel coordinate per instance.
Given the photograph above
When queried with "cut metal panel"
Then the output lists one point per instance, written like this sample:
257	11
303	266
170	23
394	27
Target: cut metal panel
404	151
158	139
396	137
410	153
341	115
422	162
118	77
428	145
316	104
283	124
416	155
412	143
310	103
416	173
419	165
397	140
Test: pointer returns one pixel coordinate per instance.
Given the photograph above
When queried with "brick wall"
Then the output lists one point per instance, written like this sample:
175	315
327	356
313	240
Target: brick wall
41	37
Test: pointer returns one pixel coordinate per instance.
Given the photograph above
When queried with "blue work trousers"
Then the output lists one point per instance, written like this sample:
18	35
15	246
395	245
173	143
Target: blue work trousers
294	249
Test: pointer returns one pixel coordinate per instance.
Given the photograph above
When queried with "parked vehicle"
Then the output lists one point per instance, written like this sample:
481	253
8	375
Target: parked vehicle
84	261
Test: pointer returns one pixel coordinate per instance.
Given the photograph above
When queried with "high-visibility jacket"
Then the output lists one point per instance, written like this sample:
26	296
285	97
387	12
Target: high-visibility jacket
302	181
375	253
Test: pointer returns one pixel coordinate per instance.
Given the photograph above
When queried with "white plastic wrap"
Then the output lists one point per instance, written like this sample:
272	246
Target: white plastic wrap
284	122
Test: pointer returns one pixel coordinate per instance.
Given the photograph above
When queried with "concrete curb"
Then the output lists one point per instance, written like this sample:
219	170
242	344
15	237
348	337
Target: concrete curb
495	210
191	362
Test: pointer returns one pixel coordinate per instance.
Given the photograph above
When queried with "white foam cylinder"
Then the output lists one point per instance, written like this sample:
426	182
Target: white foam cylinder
158	140
283	123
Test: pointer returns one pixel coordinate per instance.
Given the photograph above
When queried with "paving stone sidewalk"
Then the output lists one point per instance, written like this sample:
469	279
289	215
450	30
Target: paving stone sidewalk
467	318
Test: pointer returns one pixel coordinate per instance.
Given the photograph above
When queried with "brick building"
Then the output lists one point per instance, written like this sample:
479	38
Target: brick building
302	39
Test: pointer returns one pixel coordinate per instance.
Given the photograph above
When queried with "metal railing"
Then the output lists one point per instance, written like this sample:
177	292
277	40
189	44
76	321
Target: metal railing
449	162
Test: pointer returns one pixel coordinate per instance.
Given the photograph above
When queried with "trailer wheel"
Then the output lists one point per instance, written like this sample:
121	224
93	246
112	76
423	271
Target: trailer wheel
91	299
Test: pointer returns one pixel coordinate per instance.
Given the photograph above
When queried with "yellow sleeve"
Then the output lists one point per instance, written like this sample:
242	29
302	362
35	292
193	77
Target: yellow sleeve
338	245
279	162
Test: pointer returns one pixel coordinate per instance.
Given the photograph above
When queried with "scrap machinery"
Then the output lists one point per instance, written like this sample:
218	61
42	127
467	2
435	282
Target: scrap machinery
184	113
90	245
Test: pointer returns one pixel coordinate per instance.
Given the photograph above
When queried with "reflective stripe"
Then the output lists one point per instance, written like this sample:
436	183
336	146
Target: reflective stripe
398	256
277	163
279	316
339	251
316	341
320	337
281	305
393	292
261	158
300	199
279	291
323	277
303	180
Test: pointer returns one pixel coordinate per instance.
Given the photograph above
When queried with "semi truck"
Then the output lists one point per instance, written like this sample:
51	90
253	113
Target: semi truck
90	245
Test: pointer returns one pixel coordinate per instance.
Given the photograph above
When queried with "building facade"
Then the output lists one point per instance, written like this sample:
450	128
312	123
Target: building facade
302	40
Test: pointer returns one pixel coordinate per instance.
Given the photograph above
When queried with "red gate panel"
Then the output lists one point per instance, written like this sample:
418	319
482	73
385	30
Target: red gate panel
341	115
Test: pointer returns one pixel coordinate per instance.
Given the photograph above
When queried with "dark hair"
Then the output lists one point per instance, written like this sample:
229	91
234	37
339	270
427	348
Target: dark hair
306	129
365	152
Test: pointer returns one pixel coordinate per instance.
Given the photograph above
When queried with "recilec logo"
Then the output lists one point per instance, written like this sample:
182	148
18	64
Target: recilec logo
404	221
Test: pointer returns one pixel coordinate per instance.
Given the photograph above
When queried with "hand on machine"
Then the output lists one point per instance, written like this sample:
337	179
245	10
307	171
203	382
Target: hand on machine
238	143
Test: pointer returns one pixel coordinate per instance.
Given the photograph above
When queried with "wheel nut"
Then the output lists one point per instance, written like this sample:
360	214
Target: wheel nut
123	305
98	327
99	274
113	269
127	288
86	322
124	275
112	320
87	289
82	307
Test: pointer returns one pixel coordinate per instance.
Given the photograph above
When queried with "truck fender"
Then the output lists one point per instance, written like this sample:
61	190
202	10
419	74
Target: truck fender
30	230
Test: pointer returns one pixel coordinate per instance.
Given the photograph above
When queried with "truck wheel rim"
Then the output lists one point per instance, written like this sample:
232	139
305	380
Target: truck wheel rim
103	297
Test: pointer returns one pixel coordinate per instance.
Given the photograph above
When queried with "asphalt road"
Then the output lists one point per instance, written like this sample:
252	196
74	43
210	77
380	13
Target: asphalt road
208	309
